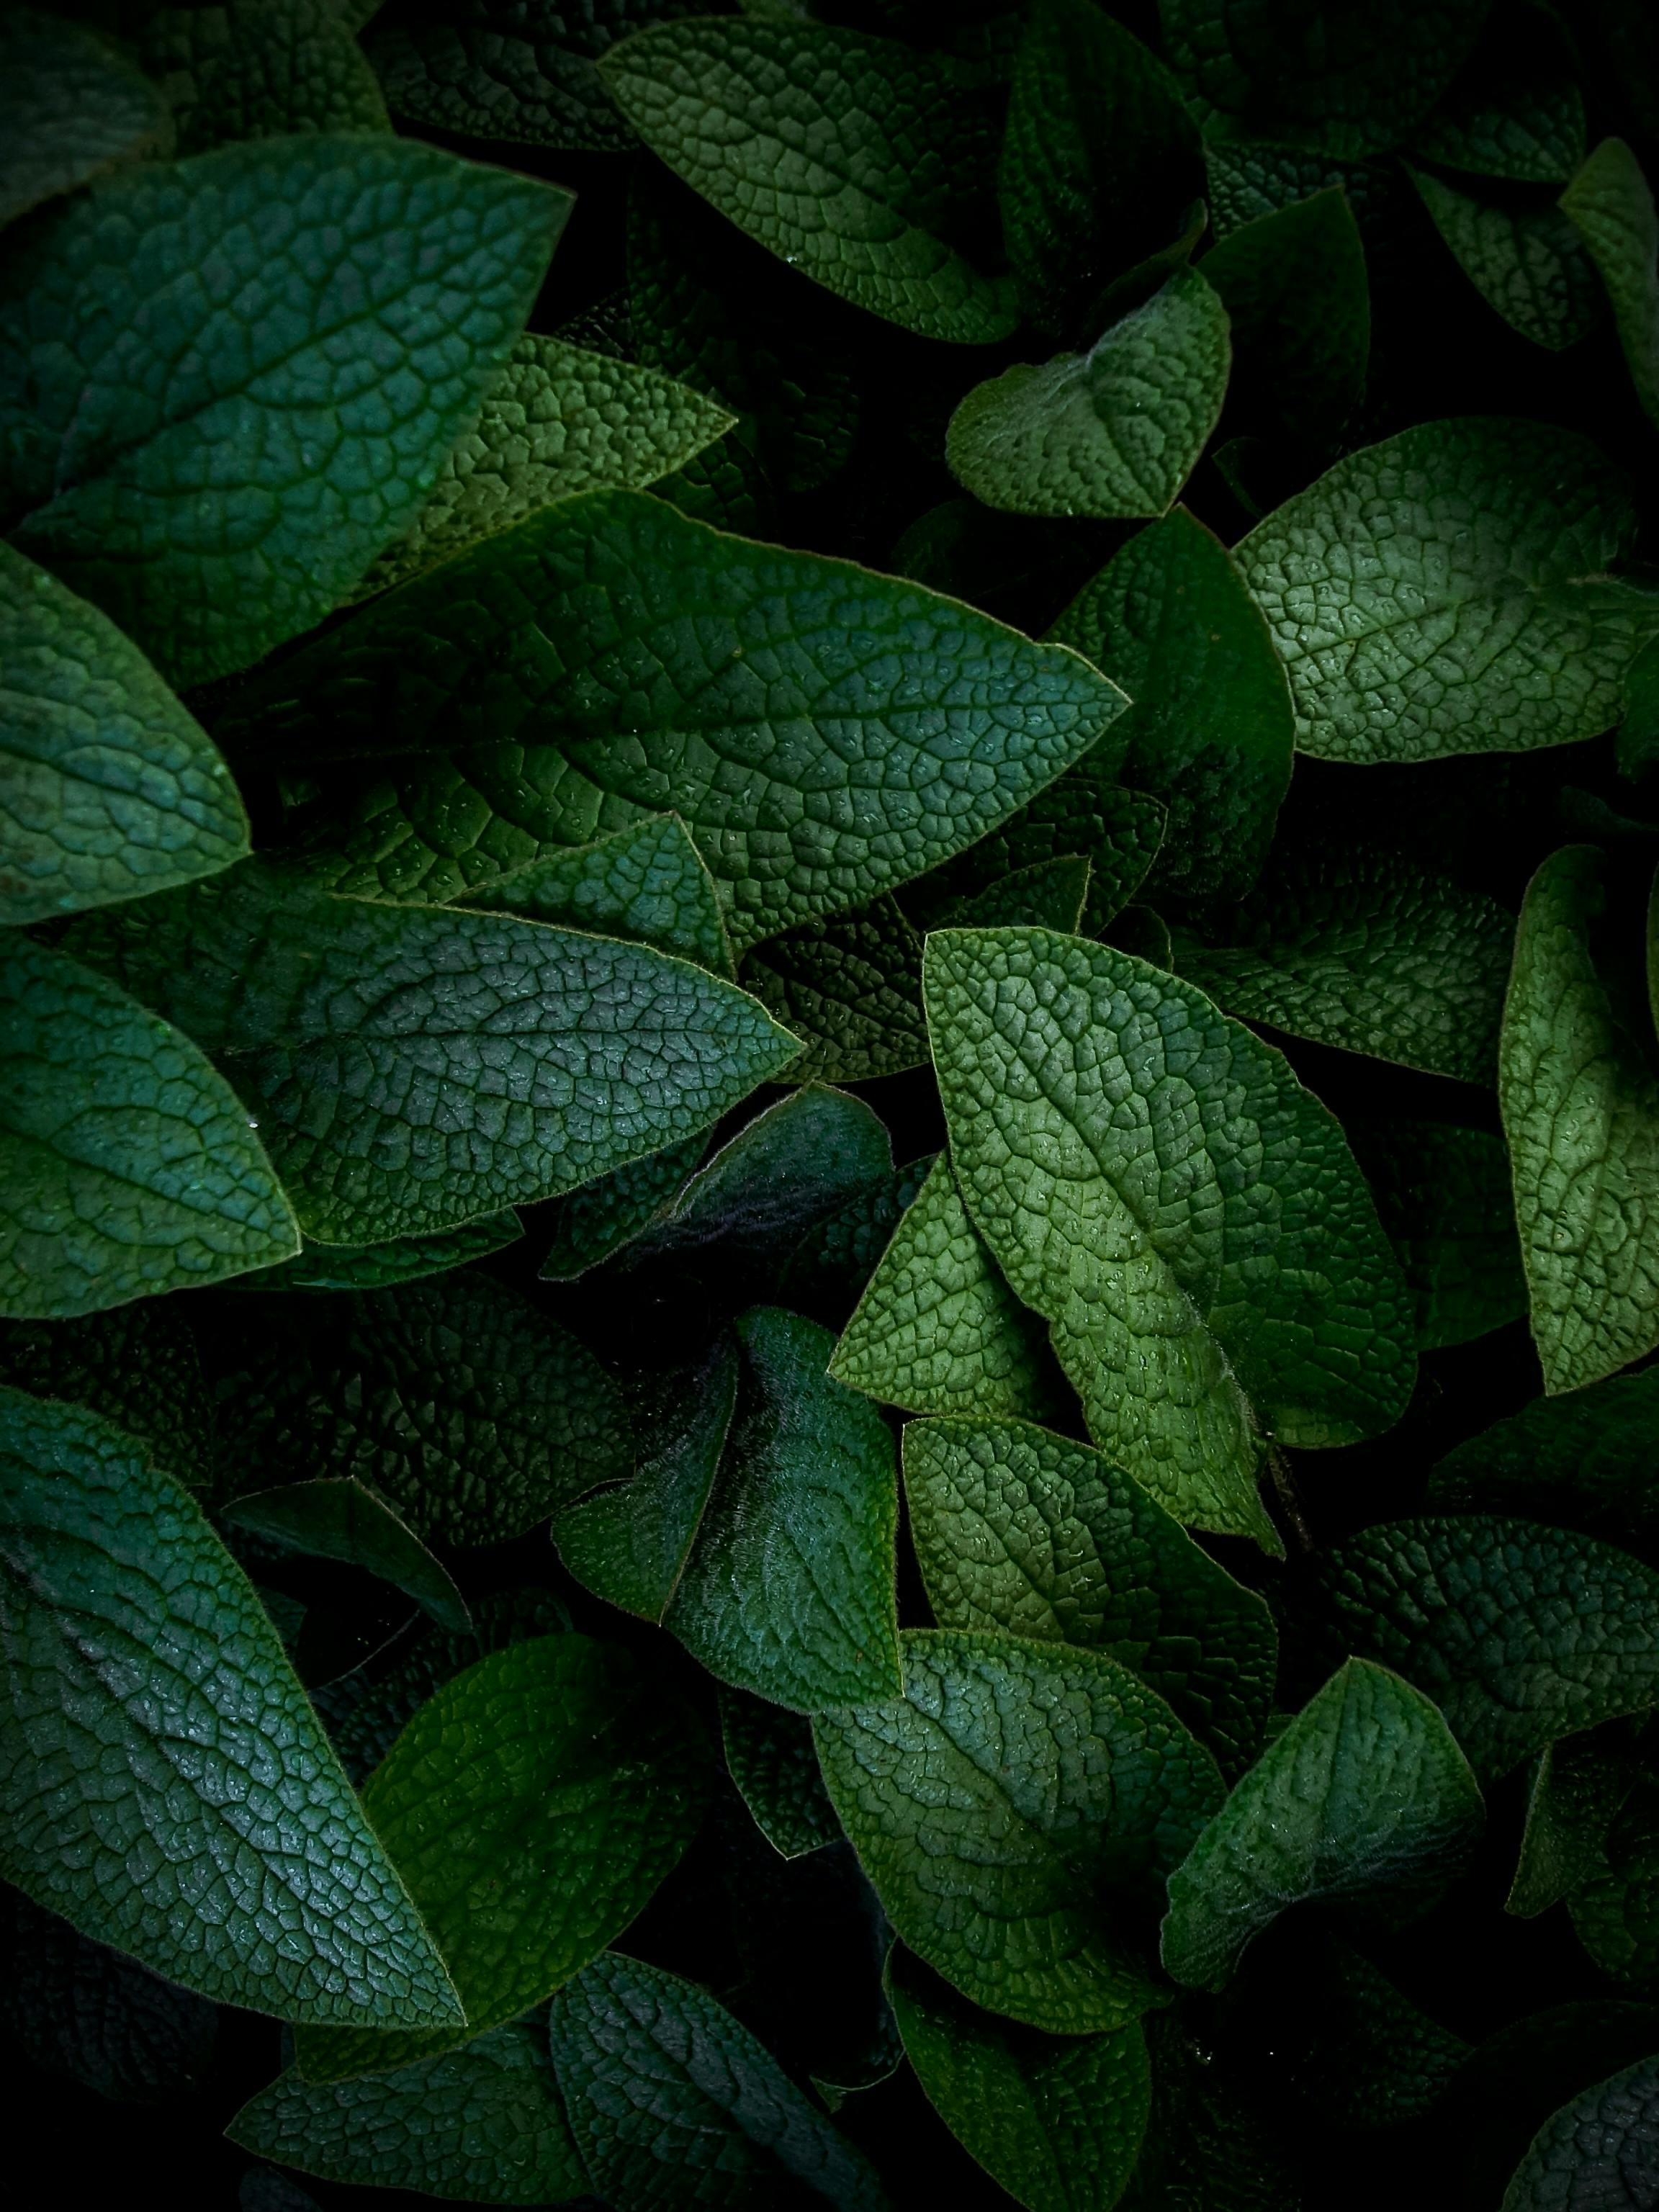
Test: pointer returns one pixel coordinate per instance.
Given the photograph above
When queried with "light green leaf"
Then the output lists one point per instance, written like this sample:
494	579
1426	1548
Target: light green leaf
673	2102
1448	592
1298	298
1615	1905
591	1223
1116	431
1210	732
484	2123
850	987
340	1519
1443	1196
1610	204
1018	1529
69	108
108	787
1576	1788
997	1805
1515	109
137	1365
1602	2149
771	1757
938	1329
166	1786
129	1166
411	1068
1100	1113
1364	1793
1057	2122
1520	1634
259	69
1525	262
645	883
125	389
857	160
1364	949
382	1267
1583	1462
1580	1099
532	1806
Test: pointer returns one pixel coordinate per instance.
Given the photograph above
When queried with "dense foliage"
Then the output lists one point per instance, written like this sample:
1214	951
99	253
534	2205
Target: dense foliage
829	1103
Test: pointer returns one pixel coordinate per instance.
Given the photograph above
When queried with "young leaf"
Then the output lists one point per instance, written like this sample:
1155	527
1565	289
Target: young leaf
672	2102
383	1267
856	159
533	1806
166	1788
1582	1462
1443	1196
1297	296
127	1165
1578	1787
1020	1530
1210	732
69	108
257	69
771	1757
1580	1097
1610	204
137	1365
1515	109
1057	2122
1364	1795
127	373
995	1807
1100	1113
851	988
1416	590
340	1519
1525	262
484	2123
645	883
412	1068
1116	431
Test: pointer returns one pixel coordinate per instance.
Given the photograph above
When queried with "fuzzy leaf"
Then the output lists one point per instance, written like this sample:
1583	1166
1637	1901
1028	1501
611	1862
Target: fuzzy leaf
1615	1905
645	883
1083	813
1515	109
771	1757
383	1267
135	1364
1526	263
1578	1787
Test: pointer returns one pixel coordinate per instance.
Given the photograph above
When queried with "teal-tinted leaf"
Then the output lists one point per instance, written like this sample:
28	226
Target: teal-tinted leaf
856	159
1639	728
108	787
823	732
998	1805
1443	1196
1580	1098
128	1166
1099	159
1048	894
382	1267
1297	298
533	1806
1515	109
1364	1793
1576	1790
1615	1905
1211	731
1100	1115
471	1413
69	108
1116	431
137	1365
257	69
1585	1462
830	1266
1526	261
484	2123
1364	949
672	2102
850	988
1018	1529
1520	1634
129	371
771	1757
412	1068
1416	591
1057	2122
1610	204
166	1788
645	883
1600	2151
338	1519
598	1218
938	1329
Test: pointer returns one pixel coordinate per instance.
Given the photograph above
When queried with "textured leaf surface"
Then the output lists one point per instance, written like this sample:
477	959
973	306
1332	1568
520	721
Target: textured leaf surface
137	1365
1295	287
645	883
1525	262
257	69
1578	1787
277	298
998	1802
166	1787
1599	2154
831	1265
69	108
1615	1905
1515	109
1048	894
1610	204
1443	1196
340	1519
598	1218
382	1267
771	1757
532	1807
850	988
1583	1462
1365	1792
1447	591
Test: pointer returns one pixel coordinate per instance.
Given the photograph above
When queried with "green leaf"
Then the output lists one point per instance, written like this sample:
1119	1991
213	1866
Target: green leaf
598	1218
533	1806
645	883
1520	1634
1247	177
69	108
1100	1115
1211	731
1602	2149
1576	1788
1362	948
1116	431
1007	1810
1365	1792
340	1519
413	1068
673	2102
938	1329
1057	2122
1610	204
1638	730
1615	1905
1209	2141
760	1529
770	1756
473	1414
129	1167
1443	1196
1417	589
811	723
1295	288
1018	1529
830	1266
1525	261
1515	109
484	2123
851	988
127	377
1579	1092
1582	1462
1048	894
166	1788
557	421
259	69
382	1267
855	159
137	1365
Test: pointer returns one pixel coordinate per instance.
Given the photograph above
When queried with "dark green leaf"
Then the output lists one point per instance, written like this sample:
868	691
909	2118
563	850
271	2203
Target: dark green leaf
1583	1462
259	69
383	1267
1577	1787
1610	204
1599	2154
645	883
832	1263
1615	1904
340	1519
591	1223
1443	1196
770	1755
850	988
137	1365
1639	729
1524	259
1515	109
1295	288
69	108
1048	894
